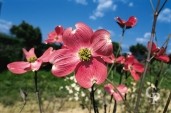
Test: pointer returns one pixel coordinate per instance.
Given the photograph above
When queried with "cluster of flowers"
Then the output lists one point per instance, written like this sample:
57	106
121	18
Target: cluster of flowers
86	53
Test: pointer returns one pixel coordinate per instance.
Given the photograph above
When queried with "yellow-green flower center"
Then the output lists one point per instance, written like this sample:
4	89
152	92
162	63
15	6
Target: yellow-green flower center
32	59
84	54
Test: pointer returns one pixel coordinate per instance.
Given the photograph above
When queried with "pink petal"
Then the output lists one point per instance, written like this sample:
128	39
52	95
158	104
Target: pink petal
53	55
101	43
135	75
90	72
36	65
109	88
54	37
120	59
120	22
19	67
29	54
51	37
161	51
109	59
163	58
49	41
129	60
138	67
65	61
46	55
120	92
78	37
117	96
153	47
122	89
131	22
59	30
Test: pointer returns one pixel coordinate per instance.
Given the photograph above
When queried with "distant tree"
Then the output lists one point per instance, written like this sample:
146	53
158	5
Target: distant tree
169	58
139	51
10	50
115	48
29	35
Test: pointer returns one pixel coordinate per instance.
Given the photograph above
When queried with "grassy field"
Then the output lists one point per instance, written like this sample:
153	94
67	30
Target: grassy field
11	84
49	85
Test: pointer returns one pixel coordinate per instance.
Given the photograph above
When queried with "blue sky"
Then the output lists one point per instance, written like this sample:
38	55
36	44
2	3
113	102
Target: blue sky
46	14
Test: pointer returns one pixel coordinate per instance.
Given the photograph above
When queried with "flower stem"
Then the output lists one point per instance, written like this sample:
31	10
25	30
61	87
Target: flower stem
153	32
167	103
120	42
22	107
158	77
115	107
37	92
104	102
136	110
93	100
118	51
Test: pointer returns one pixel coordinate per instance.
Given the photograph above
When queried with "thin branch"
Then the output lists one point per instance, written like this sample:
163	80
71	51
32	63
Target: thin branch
93	100
37	92
153	32
162	6
152	6
115	107
167	103
104	102
158	5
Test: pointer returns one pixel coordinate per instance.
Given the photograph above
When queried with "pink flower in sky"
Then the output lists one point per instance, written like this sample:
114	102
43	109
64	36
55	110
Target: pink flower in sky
118	93
33	63
158	53
84	53
133	66
131	22
55	36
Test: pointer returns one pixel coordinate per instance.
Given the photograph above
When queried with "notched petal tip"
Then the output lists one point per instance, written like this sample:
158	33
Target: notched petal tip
19	67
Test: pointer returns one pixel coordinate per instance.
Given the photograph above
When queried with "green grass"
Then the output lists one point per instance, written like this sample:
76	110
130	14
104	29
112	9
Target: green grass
10	85
49	85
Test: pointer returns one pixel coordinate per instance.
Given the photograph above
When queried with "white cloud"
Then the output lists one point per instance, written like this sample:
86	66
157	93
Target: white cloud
131	4
169	51
82	2
107	5
114	7
165	16
104	4
144	39
94	1
5	26
125	48
147	35
102	7
141	40
123	1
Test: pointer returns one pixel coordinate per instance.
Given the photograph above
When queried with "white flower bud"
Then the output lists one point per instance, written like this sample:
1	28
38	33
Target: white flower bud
73	85
76	98
70	91
77	88
83	94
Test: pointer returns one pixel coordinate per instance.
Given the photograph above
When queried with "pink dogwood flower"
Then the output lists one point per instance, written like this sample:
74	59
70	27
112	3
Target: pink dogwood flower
55	36
113	59
33	63
84	53
133	66
118	93
158	53
131	22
